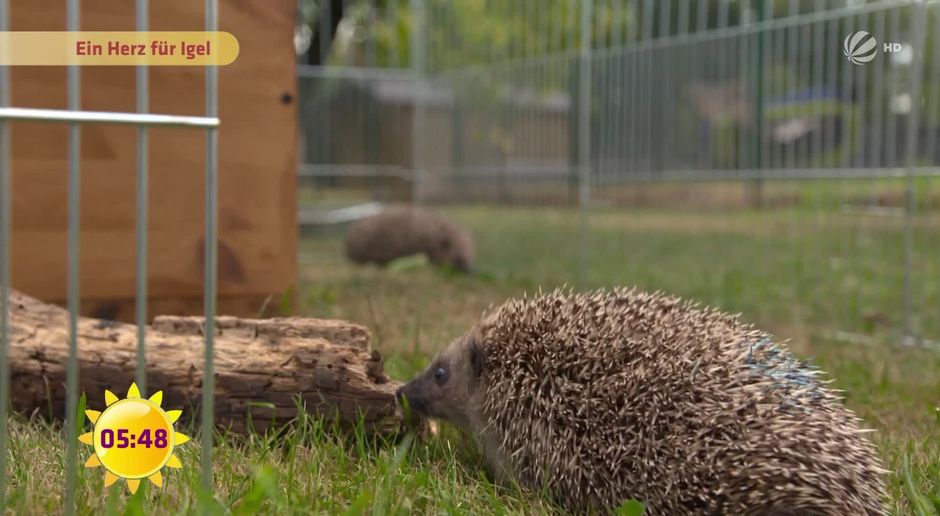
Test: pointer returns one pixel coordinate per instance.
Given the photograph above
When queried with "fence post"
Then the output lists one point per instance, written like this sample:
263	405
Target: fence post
757	184
584	140
140	231
418	132
73	78
211	255
5	227
919	19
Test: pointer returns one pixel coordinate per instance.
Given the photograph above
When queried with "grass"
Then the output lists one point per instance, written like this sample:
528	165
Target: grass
804	273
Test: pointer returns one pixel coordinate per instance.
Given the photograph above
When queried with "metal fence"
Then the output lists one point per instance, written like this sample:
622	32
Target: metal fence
75	117
651	125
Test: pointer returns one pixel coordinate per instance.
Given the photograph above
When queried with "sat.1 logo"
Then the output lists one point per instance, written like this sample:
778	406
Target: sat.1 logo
133	438
859	47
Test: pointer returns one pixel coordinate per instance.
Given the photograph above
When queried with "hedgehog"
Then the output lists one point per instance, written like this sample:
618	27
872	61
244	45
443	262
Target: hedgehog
402	230
615	395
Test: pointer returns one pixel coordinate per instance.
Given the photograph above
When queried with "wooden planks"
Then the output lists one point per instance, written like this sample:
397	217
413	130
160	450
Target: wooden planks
257	163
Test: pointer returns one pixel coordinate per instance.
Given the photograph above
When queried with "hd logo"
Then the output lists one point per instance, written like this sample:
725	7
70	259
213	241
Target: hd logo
859	47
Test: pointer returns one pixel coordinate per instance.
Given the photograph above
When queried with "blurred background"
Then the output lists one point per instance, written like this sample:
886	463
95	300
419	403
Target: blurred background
728	151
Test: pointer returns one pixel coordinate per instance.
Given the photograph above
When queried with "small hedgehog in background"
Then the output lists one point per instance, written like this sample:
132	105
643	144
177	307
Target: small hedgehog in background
609	396
401	230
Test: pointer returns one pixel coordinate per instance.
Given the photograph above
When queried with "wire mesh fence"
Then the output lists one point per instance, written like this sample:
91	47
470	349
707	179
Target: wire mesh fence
75	117
783	150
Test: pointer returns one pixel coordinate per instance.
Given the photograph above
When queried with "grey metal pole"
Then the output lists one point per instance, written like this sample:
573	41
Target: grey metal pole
891	131
634	84
140	233
584	138
919	21
209	287
418	53
646	75
74	227
5	226
790	53
105	117
661	75
391	14
933	100
618	157
818	78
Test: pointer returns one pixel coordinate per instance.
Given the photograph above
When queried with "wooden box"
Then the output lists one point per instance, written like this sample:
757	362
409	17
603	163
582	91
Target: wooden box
257	167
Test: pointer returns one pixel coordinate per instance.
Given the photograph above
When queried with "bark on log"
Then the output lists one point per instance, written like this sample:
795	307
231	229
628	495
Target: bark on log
261	366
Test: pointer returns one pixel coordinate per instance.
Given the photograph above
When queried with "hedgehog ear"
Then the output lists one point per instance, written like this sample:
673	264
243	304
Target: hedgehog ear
476	359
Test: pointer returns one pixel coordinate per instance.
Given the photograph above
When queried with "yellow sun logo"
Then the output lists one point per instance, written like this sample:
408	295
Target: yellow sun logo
133	438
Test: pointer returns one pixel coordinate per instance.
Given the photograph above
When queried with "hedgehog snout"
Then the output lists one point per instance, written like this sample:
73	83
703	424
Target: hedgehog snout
407	397
461	264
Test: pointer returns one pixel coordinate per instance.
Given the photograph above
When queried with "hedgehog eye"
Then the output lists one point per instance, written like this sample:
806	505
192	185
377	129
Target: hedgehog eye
440	375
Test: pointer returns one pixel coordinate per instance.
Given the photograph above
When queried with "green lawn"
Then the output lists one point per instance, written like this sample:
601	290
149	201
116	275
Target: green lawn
802	273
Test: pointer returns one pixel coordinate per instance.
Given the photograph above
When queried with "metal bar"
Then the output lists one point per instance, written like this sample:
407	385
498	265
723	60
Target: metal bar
683	18
140	232
584	137
933	100
370	37
746	74
832	77
633	72
525	44
698	69
777	174
850	119
790	53
777	88
554	173
325	36
803	80
5	227
646	75
105	117
616	110
676	134
211	237
818	80
729	73
394	50
874	147
418	40
765	44
74	227
604	118
663	79
860	98
891	131
551	27
431	49
315	170
919	21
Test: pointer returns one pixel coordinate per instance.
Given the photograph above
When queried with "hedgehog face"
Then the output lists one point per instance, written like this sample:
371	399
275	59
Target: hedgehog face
447	388
440	250
461	252
455	248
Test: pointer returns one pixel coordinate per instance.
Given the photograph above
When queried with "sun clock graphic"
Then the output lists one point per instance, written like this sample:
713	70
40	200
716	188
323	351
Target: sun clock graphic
133	438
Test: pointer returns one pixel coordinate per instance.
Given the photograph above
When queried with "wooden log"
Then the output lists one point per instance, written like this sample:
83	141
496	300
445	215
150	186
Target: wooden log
262	366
